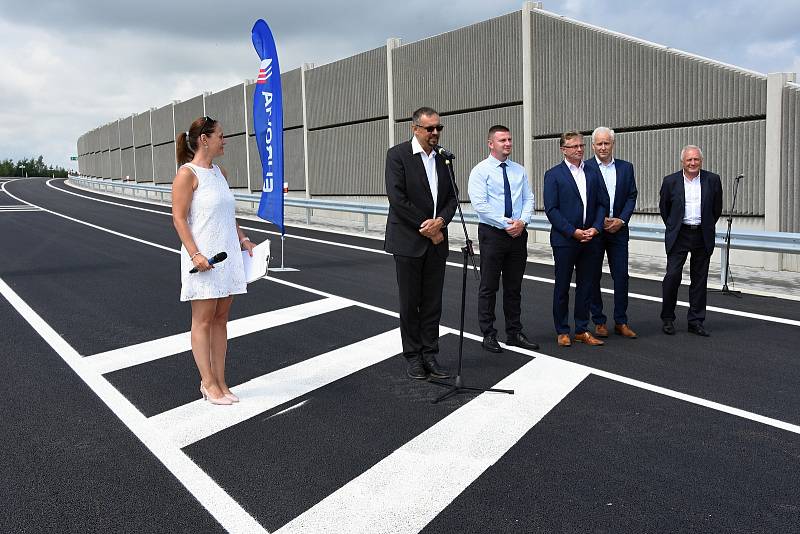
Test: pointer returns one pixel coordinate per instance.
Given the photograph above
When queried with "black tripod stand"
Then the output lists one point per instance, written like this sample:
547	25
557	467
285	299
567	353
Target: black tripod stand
467	254
725	290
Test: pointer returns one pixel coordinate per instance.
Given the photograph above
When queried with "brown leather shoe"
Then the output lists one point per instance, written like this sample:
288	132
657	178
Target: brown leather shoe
625	331
601	330
588	338
563	340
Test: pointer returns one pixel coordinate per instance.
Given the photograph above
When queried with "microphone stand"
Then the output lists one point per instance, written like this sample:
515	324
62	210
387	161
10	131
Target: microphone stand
467	254
725	290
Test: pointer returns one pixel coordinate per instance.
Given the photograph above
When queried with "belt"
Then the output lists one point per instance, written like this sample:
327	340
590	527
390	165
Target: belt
691	226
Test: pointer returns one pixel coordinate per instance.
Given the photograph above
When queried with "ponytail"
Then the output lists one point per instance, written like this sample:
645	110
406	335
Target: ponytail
183	150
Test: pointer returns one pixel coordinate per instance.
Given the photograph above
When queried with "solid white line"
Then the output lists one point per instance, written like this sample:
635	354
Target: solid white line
162	247
401	493
210	495
114	360
49	184
192	422
727	409
776	423
684	304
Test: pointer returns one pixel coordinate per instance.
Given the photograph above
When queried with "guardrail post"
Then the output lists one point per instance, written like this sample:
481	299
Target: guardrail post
308	216
723	264
366	222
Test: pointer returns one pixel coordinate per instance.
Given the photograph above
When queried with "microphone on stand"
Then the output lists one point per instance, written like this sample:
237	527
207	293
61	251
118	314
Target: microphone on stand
211	261
442	151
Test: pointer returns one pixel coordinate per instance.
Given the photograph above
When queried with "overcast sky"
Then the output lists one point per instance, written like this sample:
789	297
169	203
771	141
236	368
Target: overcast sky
69	66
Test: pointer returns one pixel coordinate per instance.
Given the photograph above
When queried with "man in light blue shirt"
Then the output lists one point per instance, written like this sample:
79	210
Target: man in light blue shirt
502	197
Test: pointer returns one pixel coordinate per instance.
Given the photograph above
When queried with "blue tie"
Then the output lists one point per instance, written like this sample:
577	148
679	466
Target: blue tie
506	190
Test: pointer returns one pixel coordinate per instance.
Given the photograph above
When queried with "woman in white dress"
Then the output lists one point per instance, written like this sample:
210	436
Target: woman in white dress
203	212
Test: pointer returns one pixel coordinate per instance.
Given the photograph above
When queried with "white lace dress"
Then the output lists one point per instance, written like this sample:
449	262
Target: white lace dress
212	221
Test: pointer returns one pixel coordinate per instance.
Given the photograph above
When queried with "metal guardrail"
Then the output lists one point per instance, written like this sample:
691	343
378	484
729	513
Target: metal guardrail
779	242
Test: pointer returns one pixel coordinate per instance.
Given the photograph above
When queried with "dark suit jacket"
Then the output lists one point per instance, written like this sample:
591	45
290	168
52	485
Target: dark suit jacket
625	194
564	207
411	202
672	203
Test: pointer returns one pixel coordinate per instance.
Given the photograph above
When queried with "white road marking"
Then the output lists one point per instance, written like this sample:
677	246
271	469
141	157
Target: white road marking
210	495
192	422
401	493
17	208
114	360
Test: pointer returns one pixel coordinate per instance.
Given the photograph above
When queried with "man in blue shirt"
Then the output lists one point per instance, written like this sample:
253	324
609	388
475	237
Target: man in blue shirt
502	197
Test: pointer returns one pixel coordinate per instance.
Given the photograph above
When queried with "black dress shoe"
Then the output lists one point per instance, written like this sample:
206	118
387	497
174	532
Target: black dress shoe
432	367
416	369
698	329
519	340
490	343
668	328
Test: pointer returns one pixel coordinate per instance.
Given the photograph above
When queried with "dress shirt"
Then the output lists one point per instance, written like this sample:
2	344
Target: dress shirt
487	192
580	181
429	161
609	173
692	192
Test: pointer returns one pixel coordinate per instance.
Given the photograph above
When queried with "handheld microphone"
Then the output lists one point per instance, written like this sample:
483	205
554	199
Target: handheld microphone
442	151
216	259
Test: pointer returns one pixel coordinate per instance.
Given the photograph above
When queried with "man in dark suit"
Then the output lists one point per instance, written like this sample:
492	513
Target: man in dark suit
690	203
421	204
575	206
619	188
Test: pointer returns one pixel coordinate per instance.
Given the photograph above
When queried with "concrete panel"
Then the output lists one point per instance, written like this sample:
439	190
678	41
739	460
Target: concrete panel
104	133
483	67
144	163
293	161
292	101
105	162
163	129
128	171
235	161
113	135
228	108
186	112
351	89
347	168
91	141
728	150
115	165
642	84
141	129
790	160
126	132
164	163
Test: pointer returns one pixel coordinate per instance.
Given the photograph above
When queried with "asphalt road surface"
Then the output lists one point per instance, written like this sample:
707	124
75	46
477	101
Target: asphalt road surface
103	429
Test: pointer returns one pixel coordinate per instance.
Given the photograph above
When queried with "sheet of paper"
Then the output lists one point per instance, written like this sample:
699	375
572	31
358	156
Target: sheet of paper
255	267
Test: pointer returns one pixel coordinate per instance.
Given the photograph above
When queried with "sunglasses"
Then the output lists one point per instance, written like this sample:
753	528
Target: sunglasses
430	129
203	128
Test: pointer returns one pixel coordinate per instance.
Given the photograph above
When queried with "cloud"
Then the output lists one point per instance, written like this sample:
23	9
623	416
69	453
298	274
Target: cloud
70	67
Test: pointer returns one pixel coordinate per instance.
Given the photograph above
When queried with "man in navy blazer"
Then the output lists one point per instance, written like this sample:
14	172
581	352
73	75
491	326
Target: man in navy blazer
690	203
619	188
421	204
576	208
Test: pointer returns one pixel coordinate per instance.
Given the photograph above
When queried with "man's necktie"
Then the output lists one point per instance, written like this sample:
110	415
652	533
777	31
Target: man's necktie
506	190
